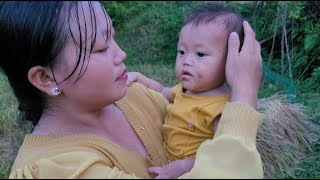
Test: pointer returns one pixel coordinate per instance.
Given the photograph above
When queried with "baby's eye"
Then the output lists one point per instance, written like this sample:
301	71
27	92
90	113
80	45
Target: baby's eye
200	54
181	52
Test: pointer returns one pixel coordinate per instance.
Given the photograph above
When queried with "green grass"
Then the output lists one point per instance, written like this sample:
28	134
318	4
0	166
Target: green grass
11	132
159	72
310	167
8	114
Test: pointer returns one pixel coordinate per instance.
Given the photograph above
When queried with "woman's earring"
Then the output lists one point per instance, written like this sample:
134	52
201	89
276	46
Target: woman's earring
56	91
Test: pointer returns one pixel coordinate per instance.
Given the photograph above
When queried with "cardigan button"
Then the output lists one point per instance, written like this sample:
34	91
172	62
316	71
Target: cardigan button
190	125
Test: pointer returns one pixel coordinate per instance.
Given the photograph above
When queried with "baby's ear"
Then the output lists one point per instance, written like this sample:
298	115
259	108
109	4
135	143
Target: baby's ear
42	78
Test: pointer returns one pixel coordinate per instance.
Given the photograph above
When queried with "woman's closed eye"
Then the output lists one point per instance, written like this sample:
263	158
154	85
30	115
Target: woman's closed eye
102	50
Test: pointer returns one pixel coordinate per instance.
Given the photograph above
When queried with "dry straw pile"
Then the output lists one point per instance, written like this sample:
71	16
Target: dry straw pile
285	136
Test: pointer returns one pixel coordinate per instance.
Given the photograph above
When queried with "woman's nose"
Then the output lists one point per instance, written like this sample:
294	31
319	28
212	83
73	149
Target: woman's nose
120	55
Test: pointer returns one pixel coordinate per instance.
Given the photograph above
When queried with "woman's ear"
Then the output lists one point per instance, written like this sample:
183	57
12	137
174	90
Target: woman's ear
42	78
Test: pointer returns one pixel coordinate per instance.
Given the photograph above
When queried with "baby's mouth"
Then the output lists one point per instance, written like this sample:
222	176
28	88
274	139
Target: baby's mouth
186	73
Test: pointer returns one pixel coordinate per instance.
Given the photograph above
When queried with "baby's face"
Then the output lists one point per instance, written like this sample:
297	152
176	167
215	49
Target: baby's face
201	56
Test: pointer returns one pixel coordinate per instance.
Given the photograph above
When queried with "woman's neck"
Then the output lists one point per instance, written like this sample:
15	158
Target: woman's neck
68	120
109	123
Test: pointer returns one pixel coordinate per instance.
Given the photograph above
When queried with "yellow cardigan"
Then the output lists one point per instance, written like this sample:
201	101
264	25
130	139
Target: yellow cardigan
231	154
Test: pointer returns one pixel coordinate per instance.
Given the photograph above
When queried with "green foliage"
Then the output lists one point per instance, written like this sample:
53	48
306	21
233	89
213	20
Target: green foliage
311	41
296	10
123	11
303	30
150	34
311	84
303	36
259	14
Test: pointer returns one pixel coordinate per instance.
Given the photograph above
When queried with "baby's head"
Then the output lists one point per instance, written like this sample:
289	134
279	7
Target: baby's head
202	46
219	14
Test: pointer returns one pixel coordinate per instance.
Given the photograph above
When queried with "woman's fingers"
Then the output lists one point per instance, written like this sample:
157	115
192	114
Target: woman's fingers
249	43
233	45
244	68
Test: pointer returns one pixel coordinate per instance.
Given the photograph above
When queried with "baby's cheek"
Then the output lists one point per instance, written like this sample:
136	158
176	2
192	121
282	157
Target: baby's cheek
178	72
200	75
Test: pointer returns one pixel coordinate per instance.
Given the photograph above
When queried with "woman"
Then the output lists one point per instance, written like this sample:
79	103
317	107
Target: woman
68	75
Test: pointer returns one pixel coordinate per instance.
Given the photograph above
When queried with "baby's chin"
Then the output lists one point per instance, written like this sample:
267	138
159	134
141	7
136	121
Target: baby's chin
187	86
192	88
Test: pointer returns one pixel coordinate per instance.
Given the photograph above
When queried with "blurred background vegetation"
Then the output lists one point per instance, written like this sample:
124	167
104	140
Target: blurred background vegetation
288	31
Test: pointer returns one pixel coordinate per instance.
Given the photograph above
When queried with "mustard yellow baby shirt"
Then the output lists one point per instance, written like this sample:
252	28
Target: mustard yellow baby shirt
190	121
231	154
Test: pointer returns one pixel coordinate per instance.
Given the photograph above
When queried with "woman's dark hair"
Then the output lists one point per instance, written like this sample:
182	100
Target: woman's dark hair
34	33
210	12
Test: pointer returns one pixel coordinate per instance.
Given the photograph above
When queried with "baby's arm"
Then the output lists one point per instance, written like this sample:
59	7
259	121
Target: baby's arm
150	83
172	170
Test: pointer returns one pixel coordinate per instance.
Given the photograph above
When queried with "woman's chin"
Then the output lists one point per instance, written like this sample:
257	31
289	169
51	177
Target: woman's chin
122	93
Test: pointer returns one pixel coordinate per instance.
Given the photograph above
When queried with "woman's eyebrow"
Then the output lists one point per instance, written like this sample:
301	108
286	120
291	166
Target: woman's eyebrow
104	35
105	31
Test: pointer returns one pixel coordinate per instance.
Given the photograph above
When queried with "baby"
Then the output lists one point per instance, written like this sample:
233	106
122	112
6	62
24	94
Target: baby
198	100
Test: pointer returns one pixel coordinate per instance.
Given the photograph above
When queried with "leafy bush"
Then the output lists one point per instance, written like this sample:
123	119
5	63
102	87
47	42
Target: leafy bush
148	31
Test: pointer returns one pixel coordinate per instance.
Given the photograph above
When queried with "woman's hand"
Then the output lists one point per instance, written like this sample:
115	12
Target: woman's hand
244	68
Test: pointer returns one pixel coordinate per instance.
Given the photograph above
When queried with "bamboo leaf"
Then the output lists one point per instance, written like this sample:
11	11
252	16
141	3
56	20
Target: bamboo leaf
310	42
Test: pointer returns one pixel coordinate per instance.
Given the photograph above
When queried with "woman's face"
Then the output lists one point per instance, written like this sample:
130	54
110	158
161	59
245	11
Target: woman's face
104	74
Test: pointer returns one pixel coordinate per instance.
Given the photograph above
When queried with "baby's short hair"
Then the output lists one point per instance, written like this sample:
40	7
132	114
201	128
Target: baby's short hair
212	11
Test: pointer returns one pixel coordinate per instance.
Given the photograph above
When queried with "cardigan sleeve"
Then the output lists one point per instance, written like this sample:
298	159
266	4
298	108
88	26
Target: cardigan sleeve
232	153
73	165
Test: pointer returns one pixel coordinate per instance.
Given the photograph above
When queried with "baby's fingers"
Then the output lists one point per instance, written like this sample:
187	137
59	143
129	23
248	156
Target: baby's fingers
132	77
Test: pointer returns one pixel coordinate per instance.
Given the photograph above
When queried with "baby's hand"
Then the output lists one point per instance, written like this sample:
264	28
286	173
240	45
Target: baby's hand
132	77
172	170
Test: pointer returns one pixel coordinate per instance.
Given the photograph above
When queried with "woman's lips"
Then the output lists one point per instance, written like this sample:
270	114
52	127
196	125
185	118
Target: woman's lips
124	76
